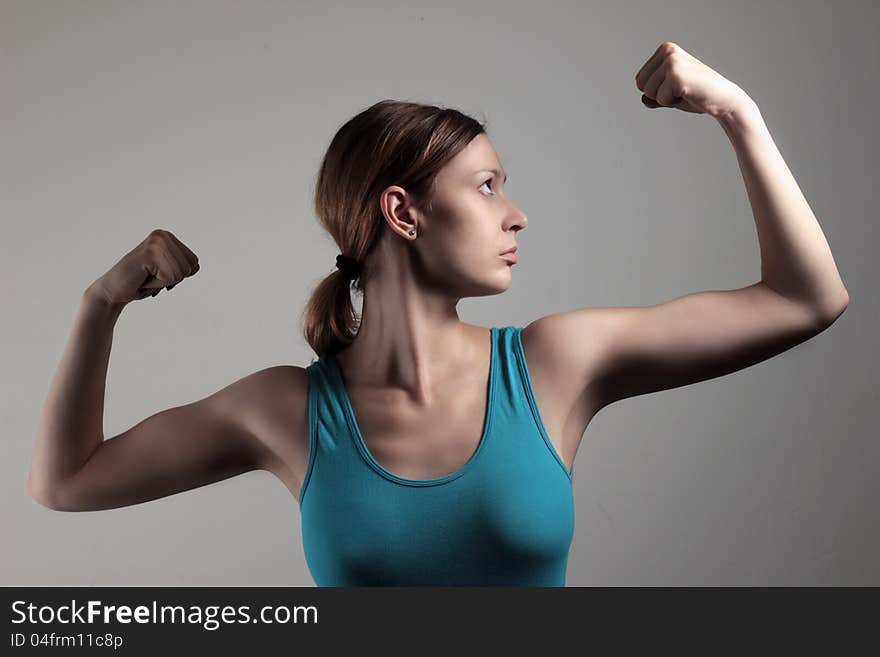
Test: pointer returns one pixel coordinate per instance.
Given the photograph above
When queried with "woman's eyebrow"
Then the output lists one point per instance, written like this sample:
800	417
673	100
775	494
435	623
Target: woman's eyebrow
495	171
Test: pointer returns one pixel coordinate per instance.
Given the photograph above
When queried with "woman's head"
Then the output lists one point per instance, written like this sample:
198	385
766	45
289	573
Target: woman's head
410	182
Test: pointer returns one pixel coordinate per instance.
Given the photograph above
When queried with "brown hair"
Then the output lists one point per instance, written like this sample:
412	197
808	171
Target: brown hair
389	143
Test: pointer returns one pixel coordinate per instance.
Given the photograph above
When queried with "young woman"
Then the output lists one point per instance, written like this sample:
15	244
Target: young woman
424	450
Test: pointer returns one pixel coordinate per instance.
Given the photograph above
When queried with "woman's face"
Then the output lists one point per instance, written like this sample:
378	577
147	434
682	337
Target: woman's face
469	223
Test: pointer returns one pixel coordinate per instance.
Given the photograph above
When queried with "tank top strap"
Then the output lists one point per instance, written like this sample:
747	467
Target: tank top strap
517	407
331	442
512	392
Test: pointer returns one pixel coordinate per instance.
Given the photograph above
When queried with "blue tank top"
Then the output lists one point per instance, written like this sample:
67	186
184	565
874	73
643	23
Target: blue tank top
506	518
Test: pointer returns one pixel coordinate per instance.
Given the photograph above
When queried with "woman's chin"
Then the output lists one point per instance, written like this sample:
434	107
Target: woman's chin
503	281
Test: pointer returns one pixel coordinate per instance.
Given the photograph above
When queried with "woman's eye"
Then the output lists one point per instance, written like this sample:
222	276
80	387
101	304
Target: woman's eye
486	183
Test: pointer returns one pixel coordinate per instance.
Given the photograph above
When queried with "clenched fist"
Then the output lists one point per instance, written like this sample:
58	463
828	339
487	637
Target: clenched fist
160	261
672	77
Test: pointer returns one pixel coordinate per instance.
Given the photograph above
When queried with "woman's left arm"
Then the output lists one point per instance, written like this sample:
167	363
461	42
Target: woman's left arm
796	260
611	353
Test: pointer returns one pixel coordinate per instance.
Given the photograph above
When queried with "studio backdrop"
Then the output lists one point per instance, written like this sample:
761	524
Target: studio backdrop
210	119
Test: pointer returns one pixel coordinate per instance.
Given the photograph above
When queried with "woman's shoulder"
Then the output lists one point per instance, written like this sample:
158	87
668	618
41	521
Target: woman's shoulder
277	414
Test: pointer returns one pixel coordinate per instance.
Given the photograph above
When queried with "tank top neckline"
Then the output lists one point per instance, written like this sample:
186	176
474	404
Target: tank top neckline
361	444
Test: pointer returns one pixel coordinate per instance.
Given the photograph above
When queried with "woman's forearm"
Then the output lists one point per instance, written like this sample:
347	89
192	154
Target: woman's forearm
796	260
71	424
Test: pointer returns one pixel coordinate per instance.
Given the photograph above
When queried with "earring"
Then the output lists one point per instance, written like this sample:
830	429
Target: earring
412	232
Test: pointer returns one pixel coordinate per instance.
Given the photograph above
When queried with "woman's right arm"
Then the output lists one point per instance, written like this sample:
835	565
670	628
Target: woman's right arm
74	469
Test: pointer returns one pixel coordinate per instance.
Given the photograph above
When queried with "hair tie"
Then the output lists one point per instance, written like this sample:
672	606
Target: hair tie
348	266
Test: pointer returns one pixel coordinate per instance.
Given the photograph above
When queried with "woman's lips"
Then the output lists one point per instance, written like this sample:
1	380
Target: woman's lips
509	257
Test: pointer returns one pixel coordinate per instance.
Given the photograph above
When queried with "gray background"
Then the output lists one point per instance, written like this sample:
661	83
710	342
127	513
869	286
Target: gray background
210	119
